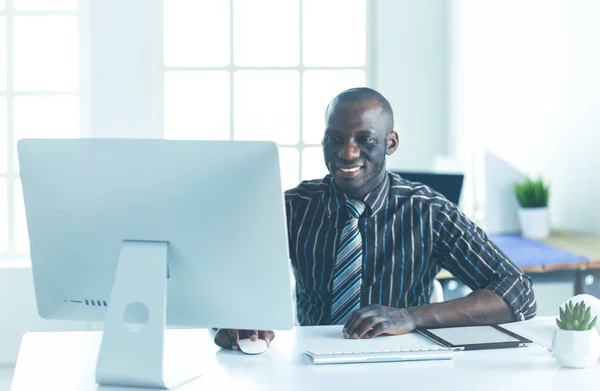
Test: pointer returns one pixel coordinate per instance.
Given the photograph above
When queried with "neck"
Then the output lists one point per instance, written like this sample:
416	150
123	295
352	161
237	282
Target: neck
361	192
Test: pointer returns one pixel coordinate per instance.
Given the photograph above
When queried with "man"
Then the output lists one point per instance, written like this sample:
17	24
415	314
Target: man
366	245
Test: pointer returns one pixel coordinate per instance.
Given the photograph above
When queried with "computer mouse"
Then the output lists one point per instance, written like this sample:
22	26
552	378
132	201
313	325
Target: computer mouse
252	347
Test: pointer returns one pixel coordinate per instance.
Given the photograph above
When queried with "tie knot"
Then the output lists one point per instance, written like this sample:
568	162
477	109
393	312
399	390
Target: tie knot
356	208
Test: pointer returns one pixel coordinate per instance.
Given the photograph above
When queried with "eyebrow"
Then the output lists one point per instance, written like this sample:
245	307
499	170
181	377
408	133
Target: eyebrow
370	131
364	130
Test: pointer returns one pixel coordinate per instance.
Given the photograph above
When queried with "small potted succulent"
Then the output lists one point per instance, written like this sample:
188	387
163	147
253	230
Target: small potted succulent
576	341
534	218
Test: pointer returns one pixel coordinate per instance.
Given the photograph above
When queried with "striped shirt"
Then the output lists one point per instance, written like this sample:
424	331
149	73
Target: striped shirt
410	233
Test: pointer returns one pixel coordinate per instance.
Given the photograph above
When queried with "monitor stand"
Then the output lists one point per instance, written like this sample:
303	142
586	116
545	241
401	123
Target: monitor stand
144	356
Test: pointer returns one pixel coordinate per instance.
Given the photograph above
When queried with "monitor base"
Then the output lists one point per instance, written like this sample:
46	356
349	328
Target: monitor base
139	354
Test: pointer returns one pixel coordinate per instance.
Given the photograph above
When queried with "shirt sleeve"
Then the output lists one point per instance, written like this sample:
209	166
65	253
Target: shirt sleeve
465	251
289	210
289	215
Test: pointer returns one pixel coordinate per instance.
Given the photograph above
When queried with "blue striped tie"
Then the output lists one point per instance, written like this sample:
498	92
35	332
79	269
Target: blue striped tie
348	267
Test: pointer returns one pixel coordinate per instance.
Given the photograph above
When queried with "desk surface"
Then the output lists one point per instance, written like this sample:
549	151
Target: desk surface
582	244
66	360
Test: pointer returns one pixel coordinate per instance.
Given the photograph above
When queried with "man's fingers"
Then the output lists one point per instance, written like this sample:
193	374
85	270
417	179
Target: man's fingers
230	338
367	324
234	338
352	319
381	328
251	334
355	318
227	338
254	336
222	339
268	336
352	327
348	323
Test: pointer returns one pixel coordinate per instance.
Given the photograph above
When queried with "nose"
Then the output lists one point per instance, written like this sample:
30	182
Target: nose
349	150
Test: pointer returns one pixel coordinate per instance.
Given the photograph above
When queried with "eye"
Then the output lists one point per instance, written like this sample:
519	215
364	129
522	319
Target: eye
331	138
368	140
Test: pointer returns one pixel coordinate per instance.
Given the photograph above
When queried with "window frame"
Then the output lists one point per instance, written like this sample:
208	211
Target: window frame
368	68
10	94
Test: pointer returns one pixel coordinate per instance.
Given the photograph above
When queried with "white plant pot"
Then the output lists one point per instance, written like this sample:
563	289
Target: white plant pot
535	222
576	349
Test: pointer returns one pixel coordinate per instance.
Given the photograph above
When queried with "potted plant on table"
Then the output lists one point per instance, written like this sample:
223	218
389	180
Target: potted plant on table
533	208
576	341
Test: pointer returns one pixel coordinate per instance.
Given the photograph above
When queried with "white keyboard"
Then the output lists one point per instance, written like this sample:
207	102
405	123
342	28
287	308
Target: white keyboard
407	353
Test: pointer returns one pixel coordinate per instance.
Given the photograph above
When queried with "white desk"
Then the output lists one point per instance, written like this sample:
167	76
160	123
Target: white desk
60	361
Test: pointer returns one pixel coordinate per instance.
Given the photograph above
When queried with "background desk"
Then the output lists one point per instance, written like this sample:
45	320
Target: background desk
557	278
64	361
577	243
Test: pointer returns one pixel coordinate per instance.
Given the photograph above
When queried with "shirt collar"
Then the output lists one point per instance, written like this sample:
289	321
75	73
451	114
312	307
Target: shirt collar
374	200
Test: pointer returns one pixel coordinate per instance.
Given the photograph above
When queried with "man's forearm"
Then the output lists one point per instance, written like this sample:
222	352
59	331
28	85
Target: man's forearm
479	307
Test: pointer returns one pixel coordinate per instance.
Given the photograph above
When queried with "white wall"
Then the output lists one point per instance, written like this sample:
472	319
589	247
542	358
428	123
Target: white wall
411	48
526	84
575	134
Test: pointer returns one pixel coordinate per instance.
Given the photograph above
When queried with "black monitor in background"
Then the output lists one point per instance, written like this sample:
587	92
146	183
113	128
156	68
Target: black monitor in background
449	185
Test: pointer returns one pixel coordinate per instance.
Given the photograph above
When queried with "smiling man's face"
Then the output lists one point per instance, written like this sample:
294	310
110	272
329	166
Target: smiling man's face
357	138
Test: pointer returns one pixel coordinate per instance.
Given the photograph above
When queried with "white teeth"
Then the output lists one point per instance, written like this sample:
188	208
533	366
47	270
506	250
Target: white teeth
350	169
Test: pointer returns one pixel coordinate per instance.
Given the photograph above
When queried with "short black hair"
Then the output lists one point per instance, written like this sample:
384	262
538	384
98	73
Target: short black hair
361	95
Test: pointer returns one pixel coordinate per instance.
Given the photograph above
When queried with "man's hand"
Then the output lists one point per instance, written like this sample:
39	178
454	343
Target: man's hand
230	339
373	320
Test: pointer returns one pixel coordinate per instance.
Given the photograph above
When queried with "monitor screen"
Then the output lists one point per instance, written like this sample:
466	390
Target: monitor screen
449	185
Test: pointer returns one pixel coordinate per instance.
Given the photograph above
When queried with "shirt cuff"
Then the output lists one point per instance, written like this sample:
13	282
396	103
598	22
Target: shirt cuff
517	292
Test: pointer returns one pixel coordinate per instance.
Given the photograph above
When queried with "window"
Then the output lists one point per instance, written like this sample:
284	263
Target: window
39	96
261	70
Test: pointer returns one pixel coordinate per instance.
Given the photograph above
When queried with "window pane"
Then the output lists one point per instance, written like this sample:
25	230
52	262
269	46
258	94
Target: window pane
3	216
46	53
266	33
266	106
2	4
45	5
197	105
289	160
3	134
319	88
46	117
331	37
196	32
2	53
21	234
313	164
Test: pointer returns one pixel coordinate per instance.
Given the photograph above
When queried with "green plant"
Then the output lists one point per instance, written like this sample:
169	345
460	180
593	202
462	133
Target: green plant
532	194
576	317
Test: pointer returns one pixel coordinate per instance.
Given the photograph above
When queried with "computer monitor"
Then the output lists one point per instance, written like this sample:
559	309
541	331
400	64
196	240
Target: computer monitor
498	200
447	184
178	233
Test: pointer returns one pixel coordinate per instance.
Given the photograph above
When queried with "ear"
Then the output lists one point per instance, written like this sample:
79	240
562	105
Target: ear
392	143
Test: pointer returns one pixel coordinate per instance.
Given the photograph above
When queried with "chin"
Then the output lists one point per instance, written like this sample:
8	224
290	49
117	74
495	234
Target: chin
349	183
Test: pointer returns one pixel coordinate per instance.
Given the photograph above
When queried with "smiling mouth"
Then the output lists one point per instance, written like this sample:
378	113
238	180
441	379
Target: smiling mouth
348	172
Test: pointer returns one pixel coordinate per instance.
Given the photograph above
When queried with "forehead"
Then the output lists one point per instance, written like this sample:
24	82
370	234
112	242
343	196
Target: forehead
346	116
